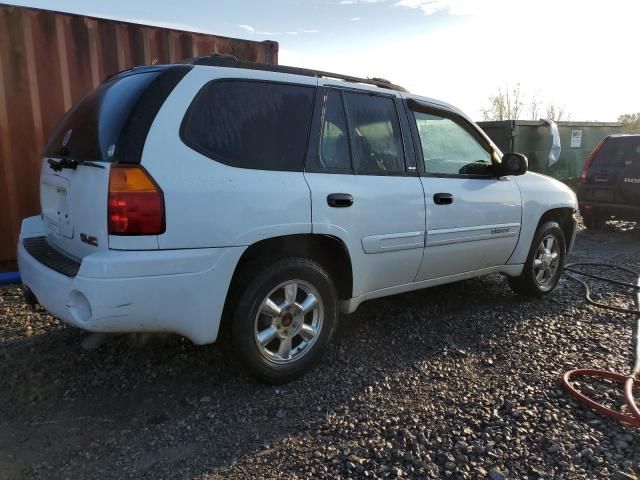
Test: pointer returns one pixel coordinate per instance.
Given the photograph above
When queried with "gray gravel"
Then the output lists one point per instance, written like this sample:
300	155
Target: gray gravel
458	381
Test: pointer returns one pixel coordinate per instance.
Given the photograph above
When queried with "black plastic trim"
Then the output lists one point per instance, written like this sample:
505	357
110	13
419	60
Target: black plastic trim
136	127
410	156
39	248
339	200
313	148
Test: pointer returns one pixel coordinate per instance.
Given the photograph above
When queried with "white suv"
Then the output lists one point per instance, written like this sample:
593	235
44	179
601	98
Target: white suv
267	199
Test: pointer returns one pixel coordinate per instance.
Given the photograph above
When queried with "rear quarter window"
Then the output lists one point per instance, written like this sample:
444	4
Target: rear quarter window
251	124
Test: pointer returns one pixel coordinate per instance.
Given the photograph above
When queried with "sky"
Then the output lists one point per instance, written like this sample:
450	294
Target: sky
582	56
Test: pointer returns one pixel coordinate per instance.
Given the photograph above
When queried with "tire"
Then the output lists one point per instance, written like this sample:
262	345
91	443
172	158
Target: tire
261	335
593	220
530	283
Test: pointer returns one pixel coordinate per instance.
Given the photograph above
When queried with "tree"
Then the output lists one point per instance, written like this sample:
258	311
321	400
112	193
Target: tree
507	104
557	113
630	122
534	108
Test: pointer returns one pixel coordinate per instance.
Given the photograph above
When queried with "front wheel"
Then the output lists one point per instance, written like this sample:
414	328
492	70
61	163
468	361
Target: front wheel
544	264
284	320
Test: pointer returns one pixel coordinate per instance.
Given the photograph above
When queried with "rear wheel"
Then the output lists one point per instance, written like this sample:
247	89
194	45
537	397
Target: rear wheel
284	320
593	220
544	263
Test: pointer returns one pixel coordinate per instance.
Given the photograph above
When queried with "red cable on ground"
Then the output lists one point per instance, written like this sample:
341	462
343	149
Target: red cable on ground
629	381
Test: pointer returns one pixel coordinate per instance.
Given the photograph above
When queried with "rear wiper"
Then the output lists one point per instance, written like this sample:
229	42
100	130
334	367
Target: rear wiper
64	162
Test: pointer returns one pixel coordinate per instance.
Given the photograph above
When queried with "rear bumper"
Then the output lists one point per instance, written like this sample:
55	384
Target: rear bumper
176	291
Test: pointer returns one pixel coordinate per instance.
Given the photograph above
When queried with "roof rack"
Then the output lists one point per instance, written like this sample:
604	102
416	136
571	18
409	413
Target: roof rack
219	60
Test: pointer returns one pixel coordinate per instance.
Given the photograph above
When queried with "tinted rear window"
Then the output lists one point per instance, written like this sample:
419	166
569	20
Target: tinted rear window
617	151
251	124
96	122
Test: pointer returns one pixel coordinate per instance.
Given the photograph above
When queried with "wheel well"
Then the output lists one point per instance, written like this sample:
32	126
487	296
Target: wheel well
330	252
564	217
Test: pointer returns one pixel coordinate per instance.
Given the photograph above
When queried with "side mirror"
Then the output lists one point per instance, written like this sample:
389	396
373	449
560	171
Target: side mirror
513	164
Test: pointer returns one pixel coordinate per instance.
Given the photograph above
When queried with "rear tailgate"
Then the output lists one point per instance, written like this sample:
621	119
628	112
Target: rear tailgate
614	174
107	127
74	207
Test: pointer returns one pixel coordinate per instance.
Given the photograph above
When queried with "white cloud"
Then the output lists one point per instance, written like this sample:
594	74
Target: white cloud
354	19
254	31
454	7
352	2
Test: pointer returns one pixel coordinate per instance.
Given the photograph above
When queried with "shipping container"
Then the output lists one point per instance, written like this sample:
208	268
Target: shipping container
48	61
534	139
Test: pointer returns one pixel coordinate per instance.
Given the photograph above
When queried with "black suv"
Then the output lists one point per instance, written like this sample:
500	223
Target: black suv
610	181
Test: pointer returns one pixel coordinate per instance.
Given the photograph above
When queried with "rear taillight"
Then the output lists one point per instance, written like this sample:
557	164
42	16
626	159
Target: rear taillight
136	203
587	163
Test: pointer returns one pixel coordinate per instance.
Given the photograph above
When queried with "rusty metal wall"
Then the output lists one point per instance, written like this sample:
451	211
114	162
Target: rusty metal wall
49	60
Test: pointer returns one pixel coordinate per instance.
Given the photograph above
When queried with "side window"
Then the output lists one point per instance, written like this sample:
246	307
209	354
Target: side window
334	140
449	148
251	124
375	134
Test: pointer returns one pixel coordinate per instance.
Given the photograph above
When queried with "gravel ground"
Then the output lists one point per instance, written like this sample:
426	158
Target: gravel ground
458	381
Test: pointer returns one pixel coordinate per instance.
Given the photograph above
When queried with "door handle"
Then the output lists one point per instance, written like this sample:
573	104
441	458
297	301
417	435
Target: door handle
443	199
339	200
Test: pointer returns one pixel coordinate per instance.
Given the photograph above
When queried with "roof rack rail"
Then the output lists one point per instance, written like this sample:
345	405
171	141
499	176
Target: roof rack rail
226	60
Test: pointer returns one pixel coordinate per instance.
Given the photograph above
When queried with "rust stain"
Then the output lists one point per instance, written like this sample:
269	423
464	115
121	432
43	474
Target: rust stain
48	61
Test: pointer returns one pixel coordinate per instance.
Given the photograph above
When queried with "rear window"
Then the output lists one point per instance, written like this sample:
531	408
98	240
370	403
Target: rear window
250	124
93	126
617	151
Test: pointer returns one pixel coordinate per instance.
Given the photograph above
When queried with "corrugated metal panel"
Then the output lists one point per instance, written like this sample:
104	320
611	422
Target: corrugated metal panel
49	60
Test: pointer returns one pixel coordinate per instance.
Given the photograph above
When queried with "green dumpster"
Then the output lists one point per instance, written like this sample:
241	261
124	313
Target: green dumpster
533	138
